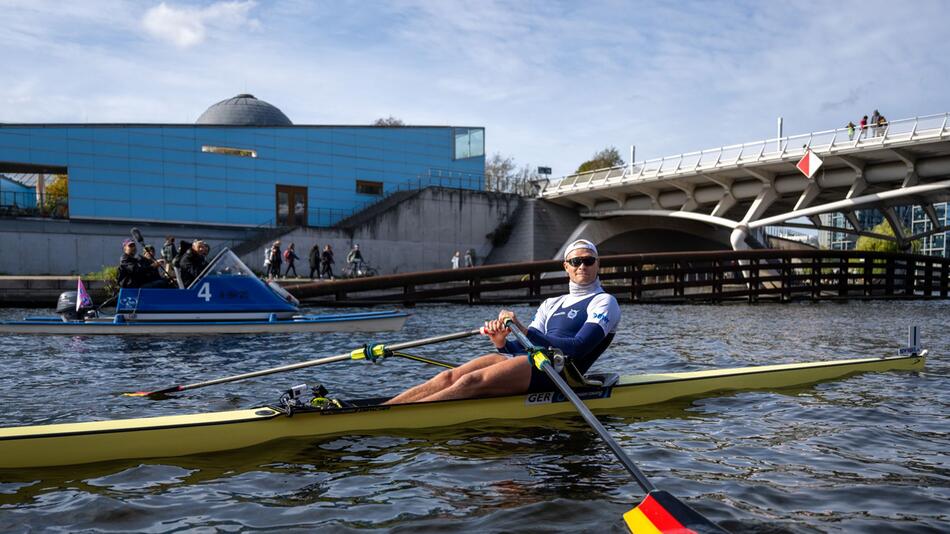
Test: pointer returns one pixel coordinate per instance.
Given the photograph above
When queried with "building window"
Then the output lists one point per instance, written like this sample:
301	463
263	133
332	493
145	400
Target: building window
230	151
469	142
365	187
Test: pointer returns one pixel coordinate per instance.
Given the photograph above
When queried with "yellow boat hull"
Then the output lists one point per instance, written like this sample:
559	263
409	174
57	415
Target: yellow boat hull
178	435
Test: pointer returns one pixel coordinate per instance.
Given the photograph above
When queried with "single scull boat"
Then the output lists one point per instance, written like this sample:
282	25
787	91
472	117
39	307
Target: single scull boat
178	435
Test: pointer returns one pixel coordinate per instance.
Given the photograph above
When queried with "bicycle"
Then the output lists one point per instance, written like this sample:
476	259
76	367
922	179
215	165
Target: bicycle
359	270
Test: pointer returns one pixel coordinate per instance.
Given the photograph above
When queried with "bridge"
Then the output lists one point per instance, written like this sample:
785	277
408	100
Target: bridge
727	196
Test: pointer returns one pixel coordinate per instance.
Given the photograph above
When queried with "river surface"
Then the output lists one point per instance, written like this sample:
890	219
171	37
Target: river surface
869	453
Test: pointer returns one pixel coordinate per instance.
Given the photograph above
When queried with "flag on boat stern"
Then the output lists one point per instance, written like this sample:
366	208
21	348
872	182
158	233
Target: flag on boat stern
83	300
663	513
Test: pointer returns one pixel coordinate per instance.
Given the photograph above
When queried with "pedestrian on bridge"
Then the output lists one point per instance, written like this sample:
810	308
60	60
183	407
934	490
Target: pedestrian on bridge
850	130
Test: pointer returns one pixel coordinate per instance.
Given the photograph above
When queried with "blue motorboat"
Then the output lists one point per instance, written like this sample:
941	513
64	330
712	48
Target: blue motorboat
226	298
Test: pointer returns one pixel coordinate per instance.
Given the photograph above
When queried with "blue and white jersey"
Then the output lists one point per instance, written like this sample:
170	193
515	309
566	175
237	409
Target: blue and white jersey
569	313
580	325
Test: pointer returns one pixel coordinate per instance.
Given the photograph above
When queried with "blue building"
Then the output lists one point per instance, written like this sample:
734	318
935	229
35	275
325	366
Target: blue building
243	163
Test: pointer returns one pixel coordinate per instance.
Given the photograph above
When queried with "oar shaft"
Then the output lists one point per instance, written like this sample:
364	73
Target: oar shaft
320	361
598	427
585	412
264	372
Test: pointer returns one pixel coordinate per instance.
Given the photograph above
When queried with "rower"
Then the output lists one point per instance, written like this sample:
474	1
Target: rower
580	324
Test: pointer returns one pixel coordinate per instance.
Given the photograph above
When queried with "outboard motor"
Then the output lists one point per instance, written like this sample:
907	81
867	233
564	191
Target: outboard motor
66	307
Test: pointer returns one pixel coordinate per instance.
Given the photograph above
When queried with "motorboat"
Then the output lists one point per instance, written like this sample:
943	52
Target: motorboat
226	298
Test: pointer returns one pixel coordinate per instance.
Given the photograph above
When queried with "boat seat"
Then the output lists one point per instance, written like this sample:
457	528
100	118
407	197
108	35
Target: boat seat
575	379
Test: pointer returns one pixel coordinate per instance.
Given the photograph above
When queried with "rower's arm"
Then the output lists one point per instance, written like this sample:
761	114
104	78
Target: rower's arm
588	337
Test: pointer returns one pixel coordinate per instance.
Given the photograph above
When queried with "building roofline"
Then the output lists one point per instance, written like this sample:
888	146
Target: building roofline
192	125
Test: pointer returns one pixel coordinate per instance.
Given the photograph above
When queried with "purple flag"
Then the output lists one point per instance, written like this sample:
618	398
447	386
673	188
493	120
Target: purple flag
83	300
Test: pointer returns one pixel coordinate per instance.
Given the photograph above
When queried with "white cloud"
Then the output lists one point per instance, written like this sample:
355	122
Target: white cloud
185	27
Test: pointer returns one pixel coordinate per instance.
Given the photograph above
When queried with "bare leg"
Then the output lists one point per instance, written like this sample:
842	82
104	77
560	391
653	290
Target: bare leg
508	377
445	379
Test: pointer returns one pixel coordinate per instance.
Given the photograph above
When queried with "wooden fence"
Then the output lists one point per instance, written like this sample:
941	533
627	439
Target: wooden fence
751	276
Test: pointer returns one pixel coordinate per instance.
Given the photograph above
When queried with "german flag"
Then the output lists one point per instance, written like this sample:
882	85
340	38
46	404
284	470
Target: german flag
662	513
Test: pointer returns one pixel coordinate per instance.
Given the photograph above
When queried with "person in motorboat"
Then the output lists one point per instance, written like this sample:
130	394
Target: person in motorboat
581	324
168	253
152	269
194	261
130	270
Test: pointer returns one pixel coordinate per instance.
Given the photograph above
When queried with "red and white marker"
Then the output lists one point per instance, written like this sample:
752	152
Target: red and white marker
809	164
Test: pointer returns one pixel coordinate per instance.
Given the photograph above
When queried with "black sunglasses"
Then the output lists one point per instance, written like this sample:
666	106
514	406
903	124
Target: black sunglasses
582	260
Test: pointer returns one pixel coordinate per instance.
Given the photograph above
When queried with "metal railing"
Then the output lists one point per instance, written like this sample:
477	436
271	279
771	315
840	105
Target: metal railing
768	150
748	275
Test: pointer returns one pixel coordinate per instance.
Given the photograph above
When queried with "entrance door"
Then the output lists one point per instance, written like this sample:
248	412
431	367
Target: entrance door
291	205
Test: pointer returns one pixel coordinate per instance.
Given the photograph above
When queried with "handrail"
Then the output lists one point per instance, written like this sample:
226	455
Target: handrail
538	268
773	149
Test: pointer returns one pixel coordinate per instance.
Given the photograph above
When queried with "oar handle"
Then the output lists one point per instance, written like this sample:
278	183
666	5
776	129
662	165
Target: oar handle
541	361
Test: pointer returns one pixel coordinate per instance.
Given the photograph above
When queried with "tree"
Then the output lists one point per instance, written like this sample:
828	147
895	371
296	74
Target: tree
389	121
882	245
56	203
504	176
498	169
608	157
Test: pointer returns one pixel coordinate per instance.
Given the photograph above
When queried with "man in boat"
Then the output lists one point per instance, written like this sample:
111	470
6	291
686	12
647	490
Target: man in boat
193	262
131	269
581	324
152	269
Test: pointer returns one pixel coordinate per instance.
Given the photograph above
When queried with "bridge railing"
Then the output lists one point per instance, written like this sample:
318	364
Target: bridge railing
776	149
749	275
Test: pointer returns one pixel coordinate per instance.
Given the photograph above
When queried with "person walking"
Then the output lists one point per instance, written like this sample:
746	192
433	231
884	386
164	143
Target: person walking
275	260
290	256
850	130
326	261
469	258
314	258
455	260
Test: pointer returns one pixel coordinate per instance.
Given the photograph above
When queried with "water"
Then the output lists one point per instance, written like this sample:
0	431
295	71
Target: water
864	454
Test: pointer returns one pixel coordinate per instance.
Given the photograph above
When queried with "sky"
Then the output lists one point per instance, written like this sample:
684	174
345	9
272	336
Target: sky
552	82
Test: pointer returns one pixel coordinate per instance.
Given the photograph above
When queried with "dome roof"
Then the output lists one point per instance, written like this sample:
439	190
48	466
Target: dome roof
244	110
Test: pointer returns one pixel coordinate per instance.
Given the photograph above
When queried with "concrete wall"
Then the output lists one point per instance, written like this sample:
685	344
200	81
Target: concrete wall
539	230
420	233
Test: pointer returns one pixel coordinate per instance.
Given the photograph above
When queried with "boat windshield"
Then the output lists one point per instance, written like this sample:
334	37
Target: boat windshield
226	263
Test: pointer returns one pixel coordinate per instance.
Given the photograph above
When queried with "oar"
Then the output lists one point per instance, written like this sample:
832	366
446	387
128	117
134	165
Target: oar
659	511
374	352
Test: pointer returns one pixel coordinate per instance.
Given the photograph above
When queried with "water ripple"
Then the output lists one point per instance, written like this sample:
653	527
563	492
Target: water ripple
865	454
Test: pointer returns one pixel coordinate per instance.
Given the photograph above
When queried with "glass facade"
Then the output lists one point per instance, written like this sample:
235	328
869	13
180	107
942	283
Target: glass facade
469	143
234	175
936	244
914	218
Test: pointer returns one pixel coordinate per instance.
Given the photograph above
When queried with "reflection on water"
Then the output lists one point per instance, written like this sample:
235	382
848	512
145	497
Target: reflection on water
868	453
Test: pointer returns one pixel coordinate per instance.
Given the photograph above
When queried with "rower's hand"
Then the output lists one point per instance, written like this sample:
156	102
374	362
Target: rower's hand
506	315
497	331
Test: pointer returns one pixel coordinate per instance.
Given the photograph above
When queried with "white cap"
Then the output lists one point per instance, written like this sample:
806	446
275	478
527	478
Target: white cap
580	244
